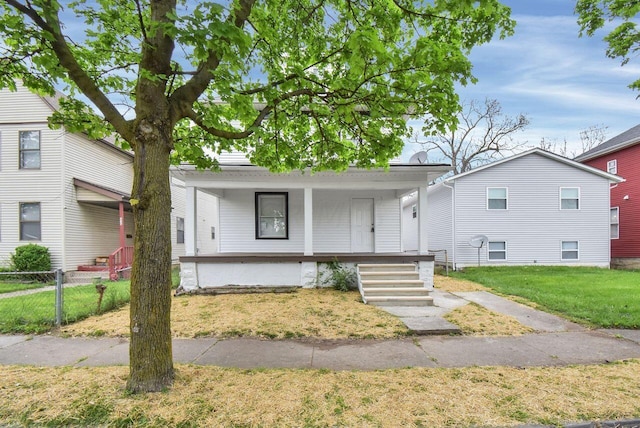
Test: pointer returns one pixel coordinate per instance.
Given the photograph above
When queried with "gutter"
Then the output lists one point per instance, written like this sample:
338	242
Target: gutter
453	223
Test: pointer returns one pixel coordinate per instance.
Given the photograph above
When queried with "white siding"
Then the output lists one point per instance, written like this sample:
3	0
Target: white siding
331	222
237	224
440	222
533	225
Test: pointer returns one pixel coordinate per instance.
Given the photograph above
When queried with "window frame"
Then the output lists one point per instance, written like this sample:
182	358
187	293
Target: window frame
22	151
505	199
414	211
612	166
179	230
617	223
258	216
22	222
489	251
563	250
570	199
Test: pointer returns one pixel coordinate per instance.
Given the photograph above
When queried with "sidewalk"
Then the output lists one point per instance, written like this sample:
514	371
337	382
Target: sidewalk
556	342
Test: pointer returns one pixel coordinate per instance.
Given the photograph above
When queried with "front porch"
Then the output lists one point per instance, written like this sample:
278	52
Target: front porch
285	269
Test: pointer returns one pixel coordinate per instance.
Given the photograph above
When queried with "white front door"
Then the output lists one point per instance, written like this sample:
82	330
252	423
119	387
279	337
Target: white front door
362	226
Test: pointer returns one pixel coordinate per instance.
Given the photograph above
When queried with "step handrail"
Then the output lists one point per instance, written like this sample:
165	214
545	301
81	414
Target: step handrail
120	259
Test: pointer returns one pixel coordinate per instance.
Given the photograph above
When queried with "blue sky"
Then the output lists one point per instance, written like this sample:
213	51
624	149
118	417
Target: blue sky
562	82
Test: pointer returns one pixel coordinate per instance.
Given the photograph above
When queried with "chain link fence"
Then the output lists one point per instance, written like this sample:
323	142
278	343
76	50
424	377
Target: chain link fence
36	302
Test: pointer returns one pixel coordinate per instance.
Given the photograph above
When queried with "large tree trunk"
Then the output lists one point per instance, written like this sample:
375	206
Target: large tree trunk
150	352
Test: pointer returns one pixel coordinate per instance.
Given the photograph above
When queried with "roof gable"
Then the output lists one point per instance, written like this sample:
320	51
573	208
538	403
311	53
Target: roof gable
544	153
628	138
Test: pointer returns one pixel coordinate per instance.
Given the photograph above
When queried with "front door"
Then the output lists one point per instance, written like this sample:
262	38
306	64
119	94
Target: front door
362	226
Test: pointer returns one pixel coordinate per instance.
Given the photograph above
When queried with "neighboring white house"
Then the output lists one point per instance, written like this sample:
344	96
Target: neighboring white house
534	208
274	229
68	192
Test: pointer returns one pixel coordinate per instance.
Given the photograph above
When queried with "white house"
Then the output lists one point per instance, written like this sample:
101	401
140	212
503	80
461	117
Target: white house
68	192
274	229
533	208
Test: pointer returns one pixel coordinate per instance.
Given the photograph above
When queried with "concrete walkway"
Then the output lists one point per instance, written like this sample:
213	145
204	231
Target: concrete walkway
556	342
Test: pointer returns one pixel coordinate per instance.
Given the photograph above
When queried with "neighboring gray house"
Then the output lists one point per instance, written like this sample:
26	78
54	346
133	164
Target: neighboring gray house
534	208
70	193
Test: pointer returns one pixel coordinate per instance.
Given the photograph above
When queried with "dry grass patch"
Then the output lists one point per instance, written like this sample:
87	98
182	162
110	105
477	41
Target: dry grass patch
212	396
475	320
453	285
317	313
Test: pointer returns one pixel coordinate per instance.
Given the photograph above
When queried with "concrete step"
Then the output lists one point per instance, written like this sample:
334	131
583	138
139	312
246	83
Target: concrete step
387	267
392	283
395	291
400	300
389	275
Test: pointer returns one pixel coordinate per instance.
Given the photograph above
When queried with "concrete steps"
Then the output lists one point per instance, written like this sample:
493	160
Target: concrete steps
392	285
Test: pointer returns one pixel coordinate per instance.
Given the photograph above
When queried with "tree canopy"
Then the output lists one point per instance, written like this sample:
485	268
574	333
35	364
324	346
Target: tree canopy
297	84
624	39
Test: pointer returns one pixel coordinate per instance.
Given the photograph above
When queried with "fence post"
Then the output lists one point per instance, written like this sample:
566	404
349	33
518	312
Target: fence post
59	304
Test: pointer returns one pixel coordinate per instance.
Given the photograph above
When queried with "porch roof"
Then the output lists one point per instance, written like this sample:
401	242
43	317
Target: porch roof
96	194
403	178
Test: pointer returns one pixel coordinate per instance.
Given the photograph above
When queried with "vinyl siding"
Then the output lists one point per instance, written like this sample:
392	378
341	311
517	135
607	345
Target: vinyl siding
439	222
533	226
92	231
22	111
628	159
331	222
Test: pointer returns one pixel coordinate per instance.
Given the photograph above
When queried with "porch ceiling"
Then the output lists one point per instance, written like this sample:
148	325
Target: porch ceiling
403	178
95	194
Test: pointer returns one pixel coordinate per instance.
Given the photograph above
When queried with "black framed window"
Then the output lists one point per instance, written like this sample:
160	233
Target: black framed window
272	215
179	230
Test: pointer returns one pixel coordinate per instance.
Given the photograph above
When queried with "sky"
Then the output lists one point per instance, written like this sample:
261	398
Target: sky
562	82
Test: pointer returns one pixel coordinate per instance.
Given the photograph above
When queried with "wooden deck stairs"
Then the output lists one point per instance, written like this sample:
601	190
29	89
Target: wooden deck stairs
392	285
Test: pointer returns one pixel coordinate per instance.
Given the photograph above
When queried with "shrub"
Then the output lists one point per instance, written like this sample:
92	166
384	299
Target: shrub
341	277
31	258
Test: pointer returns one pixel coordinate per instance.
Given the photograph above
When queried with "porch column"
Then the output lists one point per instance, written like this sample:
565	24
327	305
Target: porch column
308	221
121	214
190	221
423	244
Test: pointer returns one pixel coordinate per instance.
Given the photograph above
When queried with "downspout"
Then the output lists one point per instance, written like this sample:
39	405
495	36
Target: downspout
453	224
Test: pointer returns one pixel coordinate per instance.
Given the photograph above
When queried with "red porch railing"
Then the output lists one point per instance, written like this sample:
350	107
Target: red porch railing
120	259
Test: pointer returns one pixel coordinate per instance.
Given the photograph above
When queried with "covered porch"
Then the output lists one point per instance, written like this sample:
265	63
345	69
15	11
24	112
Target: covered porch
278	229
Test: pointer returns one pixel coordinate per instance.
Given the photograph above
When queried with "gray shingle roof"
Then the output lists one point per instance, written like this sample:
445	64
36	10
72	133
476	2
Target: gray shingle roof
627	138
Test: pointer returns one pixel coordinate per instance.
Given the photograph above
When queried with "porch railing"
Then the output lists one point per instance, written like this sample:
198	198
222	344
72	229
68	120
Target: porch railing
120	259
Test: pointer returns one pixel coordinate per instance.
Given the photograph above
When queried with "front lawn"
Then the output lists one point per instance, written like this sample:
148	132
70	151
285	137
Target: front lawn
35	313
598	297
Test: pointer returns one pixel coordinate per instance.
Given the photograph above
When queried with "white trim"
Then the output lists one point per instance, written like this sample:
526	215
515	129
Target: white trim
577	250
561	198
612	165
506	254
617	223
506	199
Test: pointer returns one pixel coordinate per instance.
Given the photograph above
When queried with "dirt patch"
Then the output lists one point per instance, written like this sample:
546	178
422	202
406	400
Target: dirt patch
318	313
475	320
211	396
452	285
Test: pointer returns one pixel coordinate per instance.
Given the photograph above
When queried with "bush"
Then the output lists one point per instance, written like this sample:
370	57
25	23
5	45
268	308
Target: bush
31	258
341	277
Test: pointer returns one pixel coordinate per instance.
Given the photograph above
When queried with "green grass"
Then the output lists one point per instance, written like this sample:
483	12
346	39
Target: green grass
11	286
35	313
597	297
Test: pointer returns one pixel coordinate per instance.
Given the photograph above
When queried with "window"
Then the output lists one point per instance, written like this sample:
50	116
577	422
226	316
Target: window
30	221
272	215
497	198
179	230
569	198
569	250
497	250
414	210
29	149
213	232
612	166
615	223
